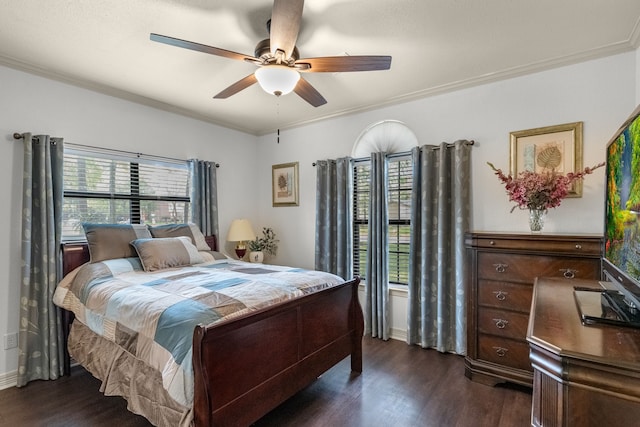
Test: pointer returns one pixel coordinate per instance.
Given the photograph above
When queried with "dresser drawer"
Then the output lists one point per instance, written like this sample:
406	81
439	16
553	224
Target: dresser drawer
507	324
525	268
576	246
504	351
505	295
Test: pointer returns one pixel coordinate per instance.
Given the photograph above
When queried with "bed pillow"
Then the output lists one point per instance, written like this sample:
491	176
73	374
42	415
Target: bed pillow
209	256
176	230
111	241
166	252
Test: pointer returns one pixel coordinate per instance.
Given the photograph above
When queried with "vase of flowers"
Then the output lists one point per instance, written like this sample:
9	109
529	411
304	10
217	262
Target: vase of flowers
539	191
267	244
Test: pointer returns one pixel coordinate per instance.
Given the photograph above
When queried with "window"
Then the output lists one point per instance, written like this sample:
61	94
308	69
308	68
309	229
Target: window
399	208
105	186
361	185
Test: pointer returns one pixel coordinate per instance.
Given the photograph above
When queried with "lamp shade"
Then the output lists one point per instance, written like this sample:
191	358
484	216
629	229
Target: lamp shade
240	230
277	79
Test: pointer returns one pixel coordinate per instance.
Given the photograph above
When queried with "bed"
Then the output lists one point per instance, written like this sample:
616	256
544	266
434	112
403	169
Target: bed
243	365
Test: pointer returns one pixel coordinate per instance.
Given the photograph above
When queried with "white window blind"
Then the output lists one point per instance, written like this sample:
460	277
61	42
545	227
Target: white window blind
361	192
399	221
399	207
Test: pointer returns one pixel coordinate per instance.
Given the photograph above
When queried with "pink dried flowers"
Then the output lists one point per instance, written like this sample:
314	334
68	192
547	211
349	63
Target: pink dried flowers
541	191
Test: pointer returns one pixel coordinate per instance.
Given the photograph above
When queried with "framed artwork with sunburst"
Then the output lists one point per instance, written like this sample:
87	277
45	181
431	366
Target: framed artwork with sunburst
550	149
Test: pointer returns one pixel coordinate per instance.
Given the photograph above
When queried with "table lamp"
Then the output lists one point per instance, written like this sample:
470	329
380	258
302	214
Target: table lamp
240	231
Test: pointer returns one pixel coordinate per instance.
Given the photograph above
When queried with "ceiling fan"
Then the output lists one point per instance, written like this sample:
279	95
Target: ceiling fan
278	58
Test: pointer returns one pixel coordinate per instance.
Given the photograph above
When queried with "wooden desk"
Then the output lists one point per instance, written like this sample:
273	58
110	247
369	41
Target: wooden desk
583	375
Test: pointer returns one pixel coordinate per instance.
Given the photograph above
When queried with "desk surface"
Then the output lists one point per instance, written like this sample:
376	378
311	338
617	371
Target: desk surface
555	326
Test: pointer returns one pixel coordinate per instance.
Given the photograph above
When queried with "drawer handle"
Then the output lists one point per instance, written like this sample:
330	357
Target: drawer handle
500	268
578	247
492	243
568	273
501	351
501	323
501	295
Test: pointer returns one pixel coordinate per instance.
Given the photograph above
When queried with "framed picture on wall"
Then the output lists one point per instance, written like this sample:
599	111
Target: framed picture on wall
284	184
548	149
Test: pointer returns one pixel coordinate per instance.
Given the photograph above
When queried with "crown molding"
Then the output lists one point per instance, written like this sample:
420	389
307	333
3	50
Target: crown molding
535	67
634	38
612	49
116	93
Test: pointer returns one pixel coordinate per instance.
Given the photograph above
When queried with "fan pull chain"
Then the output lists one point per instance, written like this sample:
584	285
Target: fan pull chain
278	119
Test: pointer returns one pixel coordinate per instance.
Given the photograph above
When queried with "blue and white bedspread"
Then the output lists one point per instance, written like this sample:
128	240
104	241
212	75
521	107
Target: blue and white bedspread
153	315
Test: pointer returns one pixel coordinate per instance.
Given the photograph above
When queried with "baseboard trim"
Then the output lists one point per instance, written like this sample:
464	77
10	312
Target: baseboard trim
398	334
9	379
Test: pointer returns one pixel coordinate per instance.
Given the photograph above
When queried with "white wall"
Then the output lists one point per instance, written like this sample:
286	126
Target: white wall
33	104
601	93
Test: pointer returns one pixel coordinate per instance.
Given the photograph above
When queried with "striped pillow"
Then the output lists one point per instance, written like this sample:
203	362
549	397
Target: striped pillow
169	252
175	230
111	241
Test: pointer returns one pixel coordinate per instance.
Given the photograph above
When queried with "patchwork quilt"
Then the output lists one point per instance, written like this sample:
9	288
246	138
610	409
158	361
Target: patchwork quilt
152	315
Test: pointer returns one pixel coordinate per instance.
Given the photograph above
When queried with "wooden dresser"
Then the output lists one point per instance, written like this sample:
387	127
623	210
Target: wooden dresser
587	376
501	273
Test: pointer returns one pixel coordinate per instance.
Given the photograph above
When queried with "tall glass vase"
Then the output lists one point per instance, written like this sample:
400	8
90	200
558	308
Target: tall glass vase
536	220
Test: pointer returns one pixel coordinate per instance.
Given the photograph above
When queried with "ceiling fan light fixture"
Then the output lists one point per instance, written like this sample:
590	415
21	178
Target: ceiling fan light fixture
277	79
279	60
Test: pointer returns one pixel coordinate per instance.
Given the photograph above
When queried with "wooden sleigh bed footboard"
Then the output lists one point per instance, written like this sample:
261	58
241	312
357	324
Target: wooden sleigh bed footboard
245	367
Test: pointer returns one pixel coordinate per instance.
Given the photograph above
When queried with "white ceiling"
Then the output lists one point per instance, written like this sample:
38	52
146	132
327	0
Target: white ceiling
436	45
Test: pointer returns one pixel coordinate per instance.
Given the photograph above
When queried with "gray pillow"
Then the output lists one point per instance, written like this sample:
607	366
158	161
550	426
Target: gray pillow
166	252
111	241
176	230
212	256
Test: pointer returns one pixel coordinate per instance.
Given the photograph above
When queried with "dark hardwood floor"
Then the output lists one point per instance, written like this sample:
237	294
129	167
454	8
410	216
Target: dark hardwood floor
400	386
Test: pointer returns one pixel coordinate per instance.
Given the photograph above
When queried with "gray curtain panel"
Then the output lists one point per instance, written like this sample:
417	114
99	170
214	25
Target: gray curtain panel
40	341
333	217
377	284
204	196
439	219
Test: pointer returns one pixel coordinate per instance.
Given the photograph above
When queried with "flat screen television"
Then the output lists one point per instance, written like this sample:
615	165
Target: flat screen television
621	258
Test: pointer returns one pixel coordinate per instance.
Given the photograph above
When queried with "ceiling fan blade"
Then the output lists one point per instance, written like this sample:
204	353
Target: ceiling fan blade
200	47
309	93
285	25
333	64
237	87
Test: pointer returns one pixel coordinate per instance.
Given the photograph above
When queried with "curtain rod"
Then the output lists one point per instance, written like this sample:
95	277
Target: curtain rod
471	142
17	135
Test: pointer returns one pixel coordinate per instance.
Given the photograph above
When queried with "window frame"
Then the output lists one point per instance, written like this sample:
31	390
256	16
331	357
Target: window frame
133	193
